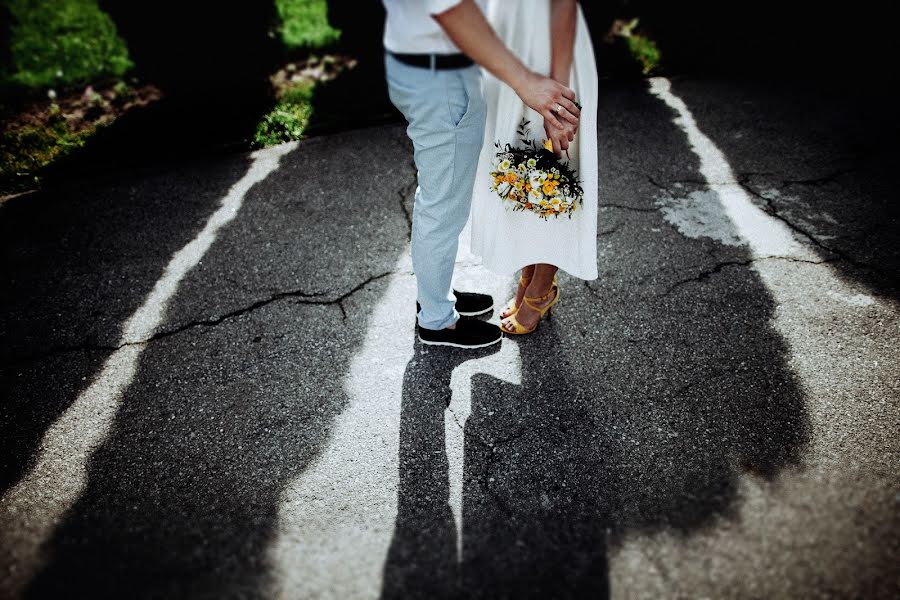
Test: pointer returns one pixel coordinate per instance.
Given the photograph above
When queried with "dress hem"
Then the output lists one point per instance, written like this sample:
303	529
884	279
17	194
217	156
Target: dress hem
574	272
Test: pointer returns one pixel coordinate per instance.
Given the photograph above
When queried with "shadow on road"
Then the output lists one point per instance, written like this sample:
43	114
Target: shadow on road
821	157
78	262
183	495
643	400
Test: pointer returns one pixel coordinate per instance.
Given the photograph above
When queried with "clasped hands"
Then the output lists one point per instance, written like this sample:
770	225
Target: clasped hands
556	103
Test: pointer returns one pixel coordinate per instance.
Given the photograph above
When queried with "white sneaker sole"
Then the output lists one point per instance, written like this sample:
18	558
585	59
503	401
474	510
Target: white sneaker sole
476	314
454	345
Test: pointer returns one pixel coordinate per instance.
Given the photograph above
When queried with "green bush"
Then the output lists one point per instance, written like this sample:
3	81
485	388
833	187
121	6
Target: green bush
61	42
304	23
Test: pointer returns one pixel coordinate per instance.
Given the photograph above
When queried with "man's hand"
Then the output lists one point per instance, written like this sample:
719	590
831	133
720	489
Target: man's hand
466	26
552	100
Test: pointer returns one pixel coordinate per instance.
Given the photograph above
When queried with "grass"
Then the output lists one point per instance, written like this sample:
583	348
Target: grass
288	119
304	23
62	42
27	149
304	26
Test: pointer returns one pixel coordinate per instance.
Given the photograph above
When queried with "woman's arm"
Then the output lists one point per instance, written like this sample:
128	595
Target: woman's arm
563	23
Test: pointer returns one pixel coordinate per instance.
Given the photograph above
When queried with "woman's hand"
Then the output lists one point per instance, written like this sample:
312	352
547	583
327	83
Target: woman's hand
559	137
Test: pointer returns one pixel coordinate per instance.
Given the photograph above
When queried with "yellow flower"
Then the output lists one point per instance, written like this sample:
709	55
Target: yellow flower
549	187
548	144
510	178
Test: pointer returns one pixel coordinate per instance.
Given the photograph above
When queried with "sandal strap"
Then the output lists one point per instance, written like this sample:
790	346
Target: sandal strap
530	299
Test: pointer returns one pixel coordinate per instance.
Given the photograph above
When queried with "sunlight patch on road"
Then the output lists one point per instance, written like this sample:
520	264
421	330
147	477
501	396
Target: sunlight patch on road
32	509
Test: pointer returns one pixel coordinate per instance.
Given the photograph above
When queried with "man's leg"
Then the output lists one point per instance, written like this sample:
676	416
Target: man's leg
445	111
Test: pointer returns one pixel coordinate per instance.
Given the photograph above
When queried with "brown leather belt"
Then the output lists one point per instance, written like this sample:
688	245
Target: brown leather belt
437	61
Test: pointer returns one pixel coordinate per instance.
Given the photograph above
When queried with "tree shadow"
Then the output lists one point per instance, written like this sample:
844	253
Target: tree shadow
183	495
819	156
78	261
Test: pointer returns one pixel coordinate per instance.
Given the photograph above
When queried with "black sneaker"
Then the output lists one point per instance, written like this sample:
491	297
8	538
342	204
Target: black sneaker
469	333
469	304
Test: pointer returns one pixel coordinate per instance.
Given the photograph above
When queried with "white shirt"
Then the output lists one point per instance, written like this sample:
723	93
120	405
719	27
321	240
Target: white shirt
411	29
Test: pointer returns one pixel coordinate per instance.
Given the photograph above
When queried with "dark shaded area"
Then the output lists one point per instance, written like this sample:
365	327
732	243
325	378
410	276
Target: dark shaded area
182	496
77	263
212	64
184	493
831	184
643	398
358	97
768	39
5	37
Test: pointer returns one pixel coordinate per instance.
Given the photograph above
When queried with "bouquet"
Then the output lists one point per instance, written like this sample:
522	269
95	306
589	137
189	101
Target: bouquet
532	178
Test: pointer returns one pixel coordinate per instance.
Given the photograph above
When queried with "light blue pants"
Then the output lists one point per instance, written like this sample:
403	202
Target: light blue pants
445	111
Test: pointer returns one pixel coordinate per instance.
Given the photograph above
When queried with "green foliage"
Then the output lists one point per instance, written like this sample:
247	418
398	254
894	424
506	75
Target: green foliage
288	120
61	42
24	151
304	23
645	51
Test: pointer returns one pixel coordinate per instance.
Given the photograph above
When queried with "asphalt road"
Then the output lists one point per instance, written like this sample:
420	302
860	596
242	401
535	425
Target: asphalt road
211	387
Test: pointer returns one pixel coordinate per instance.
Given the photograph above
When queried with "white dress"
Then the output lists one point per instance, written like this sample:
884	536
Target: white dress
508	240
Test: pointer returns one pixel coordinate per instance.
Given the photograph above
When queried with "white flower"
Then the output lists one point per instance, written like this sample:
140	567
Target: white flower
531	163
505	165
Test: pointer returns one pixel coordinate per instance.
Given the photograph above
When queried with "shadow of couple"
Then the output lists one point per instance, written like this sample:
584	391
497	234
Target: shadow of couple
605	436
529	514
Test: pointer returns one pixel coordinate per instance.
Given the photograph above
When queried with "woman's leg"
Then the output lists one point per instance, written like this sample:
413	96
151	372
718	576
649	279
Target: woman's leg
540	285
510	308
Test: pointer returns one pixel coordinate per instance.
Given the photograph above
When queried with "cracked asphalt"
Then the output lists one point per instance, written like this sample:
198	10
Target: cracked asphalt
212	387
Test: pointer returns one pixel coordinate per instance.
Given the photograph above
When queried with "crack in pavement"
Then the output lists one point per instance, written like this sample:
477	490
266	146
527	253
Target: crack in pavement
817	181
300	296
631	208
773	211
718	268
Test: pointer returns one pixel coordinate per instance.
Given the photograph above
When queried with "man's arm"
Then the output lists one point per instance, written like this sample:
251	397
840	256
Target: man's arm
466	26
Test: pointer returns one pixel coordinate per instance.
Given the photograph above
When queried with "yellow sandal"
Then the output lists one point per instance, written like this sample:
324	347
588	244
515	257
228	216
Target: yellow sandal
511	306
518	329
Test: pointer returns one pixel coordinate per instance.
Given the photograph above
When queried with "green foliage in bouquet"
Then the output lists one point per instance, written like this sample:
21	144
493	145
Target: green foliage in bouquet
534	179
